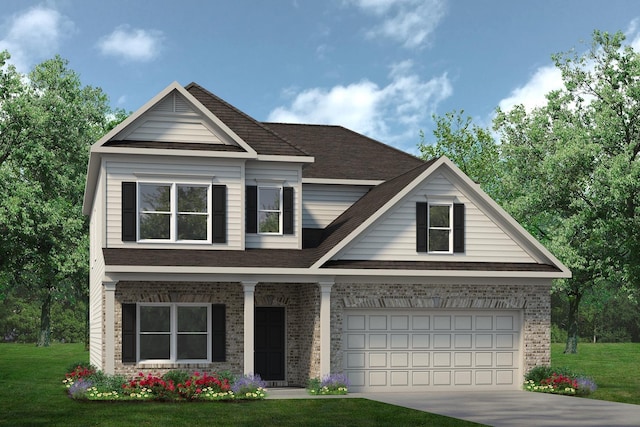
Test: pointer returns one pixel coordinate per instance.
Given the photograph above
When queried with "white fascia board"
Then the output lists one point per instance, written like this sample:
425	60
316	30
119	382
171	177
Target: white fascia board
93	171
174	152
505	218
364	182
395	199
288	159
294	275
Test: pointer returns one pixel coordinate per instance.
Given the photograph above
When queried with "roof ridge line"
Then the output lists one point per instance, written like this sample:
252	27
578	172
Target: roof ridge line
237	110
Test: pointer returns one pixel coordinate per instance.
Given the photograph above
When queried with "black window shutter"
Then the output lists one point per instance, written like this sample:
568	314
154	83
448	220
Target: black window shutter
458	227
251	209
219	213
129	212
287	210
218	332
421	227
128	333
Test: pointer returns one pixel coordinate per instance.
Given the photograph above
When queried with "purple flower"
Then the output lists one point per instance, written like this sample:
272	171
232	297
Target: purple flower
335	381
250	382
586	385
79	388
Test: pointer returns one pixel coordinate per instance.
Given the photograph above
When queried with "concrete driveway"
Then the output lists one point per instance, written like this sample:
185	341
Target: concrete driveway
499	408
515	408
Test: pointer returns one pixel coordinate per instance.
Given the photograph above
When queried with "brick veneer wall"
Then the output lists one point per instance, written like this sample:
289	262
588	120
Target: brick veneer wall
301	302
230	294
302	312
533	300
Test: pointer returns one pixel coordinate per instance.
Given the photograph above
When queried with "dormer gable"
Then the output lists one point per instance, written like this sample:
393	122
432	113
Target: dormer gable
174	119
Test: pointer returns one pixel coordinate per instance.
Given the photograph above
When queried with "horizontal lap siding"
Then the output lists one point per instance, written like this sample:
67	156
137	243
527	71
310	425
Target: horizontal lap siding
96	274
277	174
221	171
321	204
174	131
393	238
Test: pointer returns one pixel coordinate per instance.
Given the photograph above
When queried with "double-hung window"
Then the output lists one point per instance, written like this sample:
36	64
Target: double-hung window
174	332
270	210
440	228
174	212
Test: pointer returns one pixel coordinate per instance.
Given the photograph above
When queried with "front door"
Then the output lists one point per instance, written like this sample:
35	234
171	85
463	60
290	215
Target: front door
269	343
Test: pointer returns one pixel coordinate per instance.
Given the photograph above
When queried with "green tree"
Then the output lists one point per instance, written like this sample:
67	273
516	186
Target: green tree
471	147
572	173
49	120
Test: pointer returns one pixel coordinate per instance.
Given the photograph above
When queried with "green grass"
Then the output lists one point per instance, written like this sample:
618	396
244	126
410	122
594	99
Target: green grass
614	367
31	394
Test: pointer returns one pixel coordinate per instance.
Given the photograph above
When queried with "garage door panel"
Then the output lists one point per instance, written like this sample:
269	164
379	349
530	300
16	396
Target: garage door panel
399	323
421	323
441	341
378	341
400	360
462	323
377	360
402	349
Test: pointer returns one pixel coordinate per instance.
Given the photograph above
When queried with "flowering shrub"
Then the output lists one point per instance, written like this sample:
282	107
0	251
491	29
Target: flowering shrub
249	387
545	379
331	384
175	385
78	372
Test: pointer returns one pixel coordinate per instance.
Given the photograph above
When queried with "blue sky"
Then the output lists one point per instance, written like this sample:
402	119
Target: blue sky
379	67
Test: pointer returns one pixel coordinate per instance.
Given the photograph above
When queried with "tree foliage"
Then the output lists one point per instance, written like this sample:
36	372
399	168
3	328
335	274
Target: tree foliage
471	147
48	121
570	171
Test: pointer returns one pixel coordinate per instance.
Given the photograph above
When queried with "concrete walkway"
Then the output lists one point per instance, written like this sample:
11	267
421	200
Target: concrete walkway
500	408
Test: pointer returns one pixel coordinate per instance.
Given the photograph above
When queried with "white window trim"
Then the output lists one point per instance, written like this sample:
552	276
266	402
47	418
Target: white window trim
174	333
450	228
173	222
259	210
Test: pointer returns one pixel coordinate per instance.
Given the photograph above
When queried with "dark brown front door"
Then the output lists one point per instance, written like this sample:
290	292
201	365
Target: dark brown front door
269	343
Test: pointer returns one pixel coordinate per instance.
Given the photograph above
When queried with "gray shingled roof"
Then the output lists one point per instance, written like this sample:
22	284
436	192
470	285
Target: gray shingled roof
262	139
341	153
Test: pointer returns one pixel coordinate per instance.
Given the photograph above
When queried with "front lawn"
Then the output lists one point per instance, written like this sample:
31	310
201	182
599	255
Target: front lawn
614	367
31	394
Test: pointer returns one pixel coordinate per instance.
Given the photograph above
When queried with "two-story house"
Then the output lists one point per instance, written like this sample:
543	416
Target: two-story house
222	243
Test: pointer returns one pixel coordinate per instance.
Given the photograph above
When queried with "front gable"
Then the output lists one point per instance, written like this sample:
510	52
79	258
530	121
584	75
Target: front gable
174	116
488	234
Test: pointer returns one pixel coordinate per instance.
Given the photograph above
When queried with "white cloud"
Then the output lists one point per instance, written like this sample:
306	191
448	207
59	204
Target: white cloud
35	35
393	113
533	93
409	22
132	44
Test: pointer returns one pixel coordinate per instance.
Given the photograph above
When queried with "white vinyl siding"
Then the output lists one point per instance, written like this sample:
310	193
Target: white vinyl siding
174	120
322	203
271	174
393	237
217	171
96	273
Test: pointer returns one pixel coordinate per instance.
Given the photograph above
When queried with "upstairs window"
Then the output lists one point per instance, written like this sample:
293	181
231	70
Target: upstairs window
173	212
269	210
440	231
440	227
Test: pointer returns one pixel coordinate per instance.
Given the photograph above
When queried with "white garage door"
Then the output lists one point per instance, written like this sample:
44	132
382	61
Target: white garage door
402	350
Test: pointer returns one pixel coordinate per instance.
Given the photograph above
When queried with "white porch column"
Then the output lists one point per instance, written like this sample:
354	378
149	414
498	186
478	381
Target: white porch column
109	326
325	328
249	310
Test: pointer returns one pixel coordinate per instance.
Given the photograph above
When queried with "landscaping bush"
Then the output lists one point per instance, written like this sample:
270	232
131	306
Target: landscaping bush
84	382
558	380
332	384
